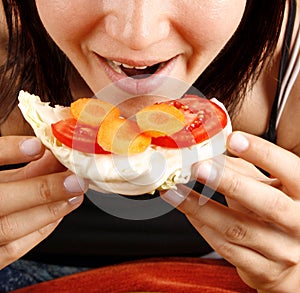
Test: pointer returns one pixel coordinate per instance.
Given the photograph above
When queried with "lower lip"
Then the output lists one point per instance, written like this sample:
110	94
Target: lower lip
140	86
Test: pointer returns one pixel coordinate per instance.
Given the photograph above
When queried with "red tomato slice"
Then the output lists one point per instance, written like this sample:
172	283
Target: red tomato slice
203	119
77	136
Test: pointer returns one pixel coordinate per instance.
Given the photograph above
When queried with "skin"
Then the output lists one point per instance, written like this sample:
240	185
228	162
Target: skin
135	32
258	232
34	198
3	36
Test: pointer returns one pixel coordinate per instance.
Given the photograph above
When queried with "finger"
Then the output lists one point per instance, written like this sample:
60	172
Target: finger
24	194
253	267
19	224
236	227
237	237
278	162
19	149
241	166
19	247
239	230
47	164
270	203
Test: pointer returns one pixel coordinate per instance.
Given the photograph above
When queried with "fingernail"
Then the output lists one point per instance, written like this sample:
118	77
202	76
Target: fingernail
31	147
205	171
238	143
75	200
173	197
75	184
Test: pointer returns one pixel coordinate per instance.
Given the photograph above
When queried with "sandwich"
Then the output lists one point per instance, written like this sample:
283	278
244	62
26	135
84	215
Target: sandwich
153	149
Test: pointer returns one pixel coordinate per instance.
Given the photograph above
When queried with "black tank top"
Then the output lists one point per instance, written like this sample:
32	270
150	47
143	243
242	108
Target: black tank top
270	134
91	237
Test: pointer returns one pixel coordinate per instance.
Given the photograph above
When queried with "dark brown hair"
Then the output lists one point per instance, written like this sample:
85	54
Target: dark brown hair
37	65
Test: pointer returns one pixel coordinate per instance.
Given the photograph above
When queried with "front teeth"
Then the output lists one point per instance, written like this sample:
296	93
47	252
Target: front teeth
117	66
114	65
126	65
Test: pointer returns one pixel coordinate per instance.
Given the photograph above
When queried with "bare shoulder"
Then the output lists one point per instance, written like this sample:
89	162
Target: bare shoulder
255	113
288	128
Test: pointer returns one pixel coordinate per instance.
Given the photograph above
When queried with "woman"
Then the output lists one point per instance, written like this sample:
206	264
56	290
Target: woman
61	50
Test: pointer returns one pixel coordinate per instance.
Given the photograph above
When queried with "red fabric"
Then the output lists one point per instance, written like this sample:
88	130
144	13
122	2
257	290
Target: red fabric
176	275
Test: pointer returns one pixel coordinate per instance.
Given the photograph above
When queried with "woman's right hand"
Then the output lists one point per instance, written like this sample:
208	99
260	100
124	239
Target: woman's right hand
34	198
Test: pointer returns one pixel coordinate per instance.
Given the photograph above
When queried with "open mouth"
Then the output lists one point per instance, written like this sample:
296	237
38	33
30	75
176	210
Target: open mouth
138	77
136	72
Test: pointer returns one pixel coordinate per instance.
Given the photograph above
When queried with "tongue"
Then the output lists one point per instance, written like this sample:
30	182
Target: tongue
140	73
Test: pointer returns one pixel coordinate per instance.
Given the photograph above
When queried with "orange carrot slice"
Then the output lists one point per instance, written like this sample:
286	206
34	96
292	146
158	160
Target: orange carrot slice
93	111
122	136
160	120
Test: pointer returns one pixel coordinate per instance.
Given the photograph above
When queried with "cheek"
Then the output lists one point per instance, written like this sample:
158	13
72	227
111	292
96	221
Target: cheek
214	23
66	20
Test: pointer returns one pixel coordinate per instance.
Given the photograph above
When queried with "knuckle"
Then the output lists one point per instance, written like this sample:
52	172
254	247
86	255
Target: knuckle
268	277
234	185
191	209
271	275
3	199
226	249
46	230
44	190
8	228
291	257
265	275
278	208
54	211
12	251
295	171
188	204
236	232
266	155
297	164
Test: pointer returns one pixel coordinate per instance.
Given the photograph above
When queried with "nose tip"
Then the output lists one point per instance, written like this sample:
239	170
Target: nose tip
137	30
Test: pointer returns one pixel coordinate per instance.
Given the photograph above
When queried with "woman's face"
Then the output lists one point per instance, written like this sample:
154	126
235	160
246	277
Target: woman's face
108	40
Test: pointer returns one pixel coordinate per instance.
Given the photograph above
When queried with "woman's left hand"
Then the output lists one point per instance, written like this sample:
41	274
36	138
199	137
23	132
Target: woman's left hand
259	231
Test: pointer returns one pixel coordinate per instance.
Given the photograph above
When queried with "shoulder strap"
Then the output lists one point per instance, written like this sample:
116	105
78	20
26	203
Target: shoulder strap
291	75
271	131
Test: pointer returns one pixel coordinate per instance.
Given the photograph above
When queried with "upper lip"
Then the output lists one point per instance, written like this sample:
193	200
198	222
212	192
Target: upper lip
136	63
